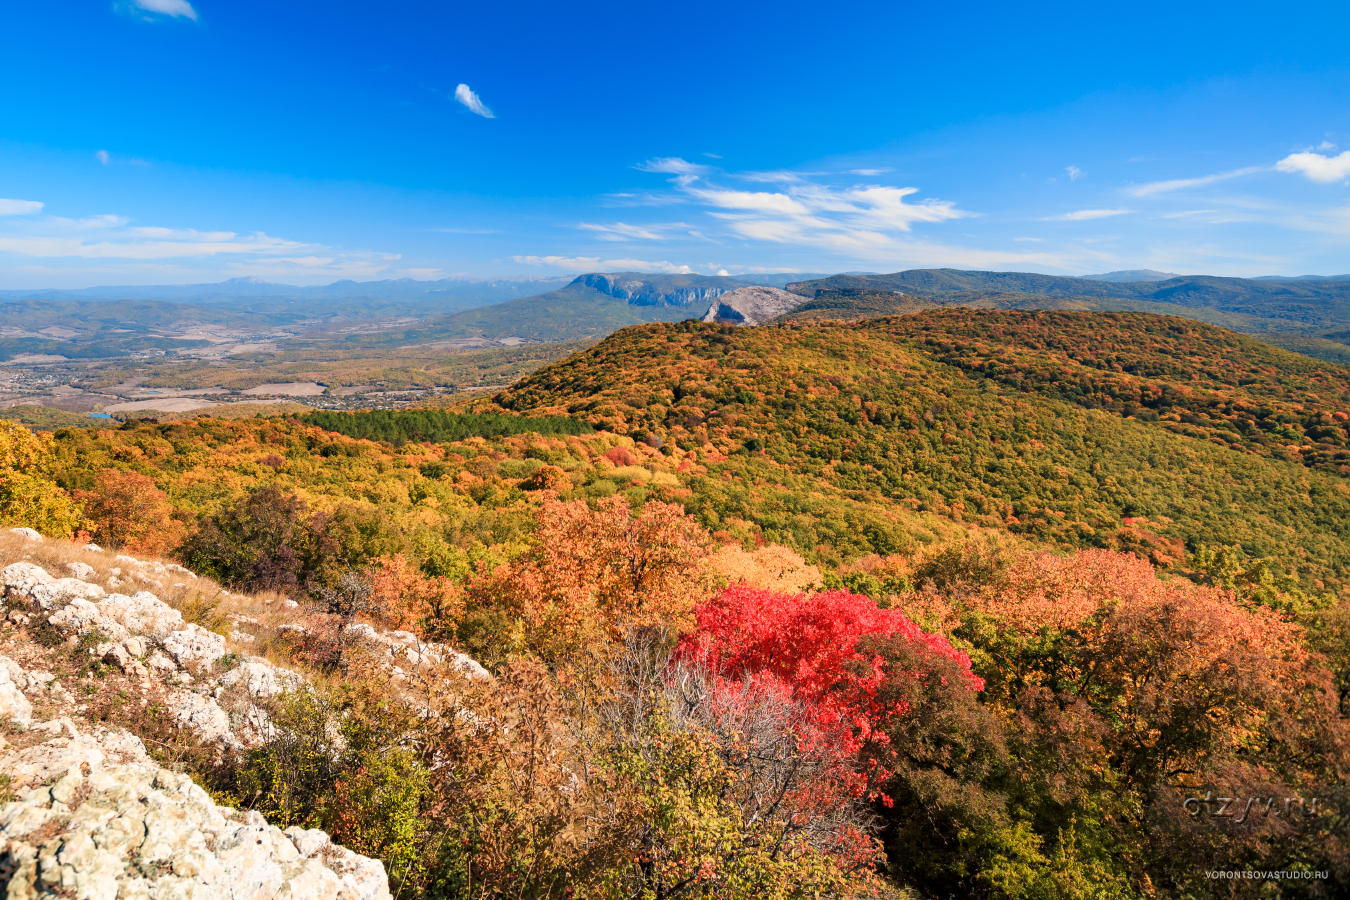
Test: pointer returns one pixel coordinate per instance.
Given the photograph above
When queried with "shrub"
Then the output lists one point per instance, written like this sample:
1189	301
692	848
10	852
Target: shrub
258	543
128	512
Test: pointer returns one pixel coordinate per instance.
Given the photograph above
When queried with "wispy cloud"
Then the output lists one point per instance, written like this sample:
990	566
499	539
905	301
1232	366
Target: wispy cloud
622	231
19	207
596	264
106	158
672	165
1177	184
1084	215
1074	172
472	102
1316	167
869	173
176	8
127	246
645	198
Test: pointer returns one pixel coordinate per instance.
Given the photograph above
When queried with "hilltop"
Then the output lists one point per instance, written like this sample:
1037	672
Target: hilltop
1062	426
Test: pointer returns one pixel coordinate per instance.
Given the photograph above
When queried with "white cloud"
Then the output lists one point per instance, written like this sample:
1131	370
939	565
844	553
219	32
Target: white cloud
575	263
423	274
622	231
864	222
1176	184
105	157
672	165
1037	240
809	213
596	264
712	156
175	8
1083	215
19	207
138	248
869	173
472	102
1316	167
1074	172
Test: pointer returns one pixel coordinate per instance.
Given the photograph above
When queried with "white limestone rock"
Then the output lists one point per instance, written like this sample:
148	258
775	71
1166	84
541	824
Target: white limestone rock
14	706
202	716
29	582
752	305
28	533
142	613
82	571
364	876
260	679
108	824
161	664
407	652
194	645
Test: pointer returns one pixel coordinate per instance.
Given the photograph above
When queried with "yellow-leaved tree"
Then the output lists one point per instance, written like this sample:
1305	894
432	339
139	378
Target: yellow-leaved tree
28	495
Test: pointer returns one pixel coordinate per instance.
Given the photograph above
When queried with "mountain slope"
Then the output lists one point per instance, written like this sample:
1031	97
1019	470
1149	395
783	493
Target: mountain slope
590	306
994	418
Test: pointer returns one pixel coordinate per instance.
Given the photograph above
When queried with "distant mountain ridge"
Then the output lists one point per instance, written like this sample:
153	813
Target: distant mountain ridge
589	306
1308	304
1133	275
657	290
252	286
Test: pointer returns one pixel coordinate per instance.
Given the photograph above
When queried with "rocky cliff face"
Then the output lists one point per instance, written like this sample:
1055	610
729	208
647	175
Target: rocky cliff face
639	292
751	306
90	814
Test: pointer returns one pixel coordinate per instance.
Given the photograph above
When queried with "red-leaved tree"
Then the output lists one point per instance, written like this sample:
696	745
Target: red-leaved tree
806	647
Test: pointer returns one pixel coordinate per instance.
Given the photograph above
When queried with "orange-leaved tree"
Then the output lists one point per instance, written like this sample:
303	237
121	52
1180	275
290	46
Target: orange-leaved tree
405	598
594	573
130	513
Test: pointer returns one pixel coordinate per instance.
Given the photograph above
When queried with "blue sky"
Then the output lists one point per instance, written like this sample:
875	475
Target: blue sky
176	141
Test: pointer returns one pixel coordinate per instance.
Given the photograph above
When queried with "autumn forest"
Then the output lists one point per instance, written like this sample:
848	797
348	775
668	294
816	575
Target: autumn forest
961	603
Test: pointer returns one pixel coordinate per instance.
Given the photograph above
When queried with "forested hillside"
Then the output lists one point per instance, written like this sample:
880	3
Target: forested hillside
1057	425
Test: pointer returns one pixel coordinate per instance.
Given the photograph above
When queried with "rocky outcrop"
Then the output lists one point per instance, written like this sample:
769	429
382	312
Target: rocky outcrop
753	305
642	292
97	818
407	653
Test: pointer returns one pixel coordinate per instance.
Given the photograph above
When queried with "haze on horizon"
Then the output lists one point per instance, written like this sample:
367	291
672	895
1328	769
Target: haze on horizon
192	141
